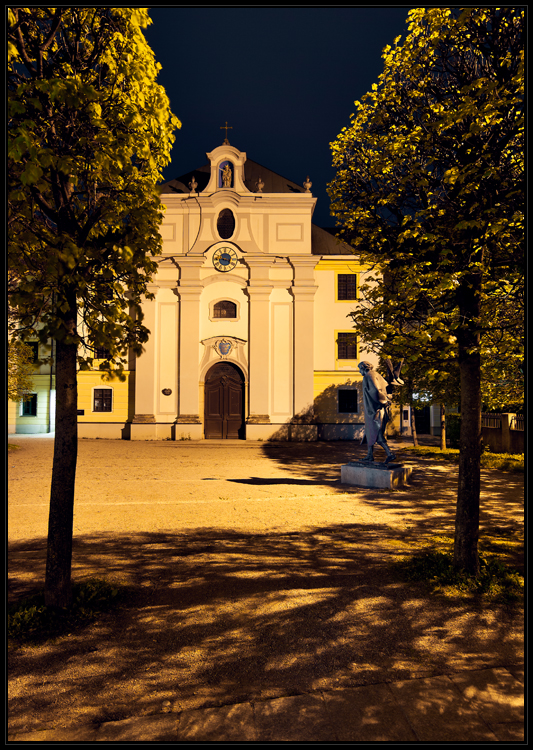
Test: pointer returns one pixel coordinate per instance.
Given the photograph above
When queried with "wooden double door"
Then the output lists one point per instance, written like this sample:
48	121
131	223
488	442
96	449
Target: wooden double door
224	402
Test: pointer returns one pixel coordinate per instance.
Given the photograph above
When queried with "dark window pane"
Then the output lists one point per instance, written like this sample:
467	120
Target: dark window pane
34	346
29	408
225	224
347	286
102	399
225	309
347	346
347	401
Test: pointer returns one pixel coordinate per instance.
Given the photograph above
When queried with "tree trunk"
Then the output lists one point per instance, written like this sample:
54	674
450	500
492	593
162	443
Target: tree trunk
413	427
467	515
409	388
442	427
60	521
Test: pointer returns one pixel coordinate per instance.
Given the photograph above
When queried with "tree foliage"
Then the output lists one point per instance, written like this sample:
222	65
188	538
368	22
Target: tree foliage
89	130
429	189
429	186
20	369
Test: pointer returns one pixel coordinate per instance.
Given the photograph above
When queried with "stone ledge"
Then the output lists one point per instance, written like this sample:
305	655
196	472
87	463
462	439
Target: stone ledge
375	476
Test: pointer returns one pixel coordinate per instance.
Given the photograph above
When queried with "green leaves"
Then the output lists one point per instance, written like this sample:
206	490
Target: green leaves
430	184
90	130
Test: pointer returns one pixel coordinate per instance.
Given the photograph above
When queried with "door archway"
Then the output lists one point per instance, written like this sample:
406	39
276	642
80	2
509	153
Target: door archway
224	403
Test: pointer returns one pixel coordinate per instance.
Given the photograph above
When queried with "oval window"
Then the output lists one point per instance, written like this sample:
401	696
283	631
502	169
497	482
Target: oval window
225	224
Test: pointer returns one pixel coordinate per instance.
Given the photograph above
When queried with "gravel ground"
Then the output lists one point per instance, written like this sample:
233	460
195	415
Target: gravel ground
252	572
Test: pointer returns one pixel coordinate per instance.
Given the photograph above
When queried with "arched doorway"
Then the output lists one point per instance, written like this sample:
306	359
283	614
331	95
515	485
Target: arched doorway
224	402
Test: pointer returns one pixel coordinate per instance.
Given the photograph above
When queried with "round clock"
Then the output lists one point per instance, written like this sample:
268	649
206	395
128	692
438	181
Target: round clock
224	259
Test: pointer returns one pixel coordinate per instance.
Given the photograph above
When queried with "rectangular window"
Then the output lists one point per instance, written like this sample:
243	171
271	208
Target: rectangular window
102	399
346	286
101	353
347	400
346	346
29	408
34	346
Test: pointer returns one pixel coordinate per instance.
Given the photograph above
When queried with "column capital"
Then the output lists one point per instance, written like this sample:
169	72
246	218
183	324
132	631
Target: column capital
258	292
194	261
302	293
304	260
189	292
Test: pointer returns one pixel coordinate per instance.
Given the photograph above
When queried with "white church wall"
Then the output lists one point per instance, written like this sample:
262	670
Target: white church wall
281	346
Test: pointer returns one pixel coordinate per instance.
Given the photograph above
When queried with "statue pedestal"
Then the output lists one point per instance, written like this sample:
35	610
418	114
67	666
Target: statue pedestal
374	475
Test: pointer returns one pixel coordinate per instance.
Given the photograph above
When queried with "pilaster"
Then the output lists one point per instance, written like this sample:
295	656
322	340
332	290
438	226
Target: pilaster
258	291
143	423
303	292
189	291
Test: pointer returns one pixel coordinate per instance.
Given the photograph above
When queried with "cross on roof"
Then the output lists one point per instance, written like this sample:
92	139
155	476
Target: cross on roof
226	127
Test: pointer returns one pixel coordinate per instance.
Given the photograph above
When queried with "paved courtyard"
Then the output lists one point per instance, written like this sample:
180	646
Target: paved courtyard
253	574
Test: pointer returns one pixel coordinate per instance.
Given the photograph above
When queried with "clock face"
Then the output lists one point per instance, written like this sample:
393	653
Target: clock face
224	259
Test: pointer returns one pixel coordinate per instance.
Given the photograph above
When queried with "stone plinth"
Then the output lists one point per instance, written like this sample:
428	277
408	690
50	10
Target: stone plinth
374	475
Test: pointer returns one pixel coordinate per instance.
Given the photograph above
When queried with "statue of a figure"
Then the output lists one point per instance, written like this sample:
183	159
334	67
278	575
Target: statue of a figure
226	176
377	404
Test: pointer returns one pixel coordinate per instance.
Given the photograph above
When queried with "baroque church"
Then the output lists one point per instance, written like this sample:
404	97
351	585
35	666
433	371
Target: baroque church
250	334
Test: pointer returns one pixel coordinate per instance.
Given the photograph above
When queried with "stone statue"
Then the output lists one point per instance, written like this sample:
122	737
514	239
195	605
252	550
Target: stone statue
377	405
226	176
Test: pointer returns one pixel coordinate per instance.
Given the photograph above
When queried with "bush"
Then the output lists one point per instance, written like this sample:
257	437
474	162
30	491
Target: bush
30	620
495	580
453	428
501	461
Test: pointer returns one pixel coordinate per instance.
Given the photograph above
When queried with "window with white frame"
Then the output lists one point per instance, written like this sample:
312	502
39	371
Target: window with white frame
103	399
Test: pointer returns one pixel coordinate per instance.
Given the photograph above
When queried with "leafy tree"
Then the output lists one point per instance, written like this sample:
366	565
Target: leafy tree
429	188
20	369
89	131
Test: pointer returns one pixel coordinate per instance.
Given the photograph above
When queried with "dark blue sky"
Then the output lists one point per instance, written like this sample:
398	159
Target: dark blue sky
284	78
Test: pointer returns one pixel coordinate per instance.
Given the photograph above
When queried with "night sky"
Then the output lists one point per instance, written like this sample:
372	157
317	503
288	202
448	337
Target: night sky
285	80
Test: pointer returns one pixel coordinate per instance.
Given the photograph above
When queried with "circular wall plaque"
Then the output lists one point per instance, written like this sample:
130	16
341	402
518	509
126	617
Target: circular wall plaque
166	391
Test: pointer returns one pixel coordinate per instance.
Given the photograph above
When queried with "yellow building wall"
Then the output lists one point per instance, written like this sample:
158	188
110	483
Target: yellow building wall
326	385
87	382
111	424
332	315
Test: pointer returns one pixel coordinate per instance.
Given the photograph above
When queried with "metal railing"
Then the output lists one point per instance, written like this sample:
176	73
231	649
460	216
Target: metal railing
491	420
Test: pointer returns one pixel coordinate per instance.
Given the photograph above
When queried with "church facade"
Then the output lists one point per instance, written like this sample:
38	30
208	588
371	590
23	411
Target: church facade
250	334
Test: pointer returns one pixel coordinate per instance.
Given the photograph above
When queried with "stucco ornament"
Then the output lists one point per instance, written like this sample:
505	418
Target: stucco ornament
223	347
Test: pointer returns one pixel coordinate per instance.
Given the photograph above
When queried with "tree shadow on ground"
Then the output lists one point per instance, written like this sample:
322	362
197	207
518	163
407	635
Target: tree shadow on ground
215	616
430	497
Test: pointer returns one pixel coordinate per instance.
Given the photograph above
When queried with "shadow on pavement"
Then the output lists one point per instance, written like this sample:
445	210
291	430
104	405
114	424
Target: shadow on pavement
214	617
432	489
